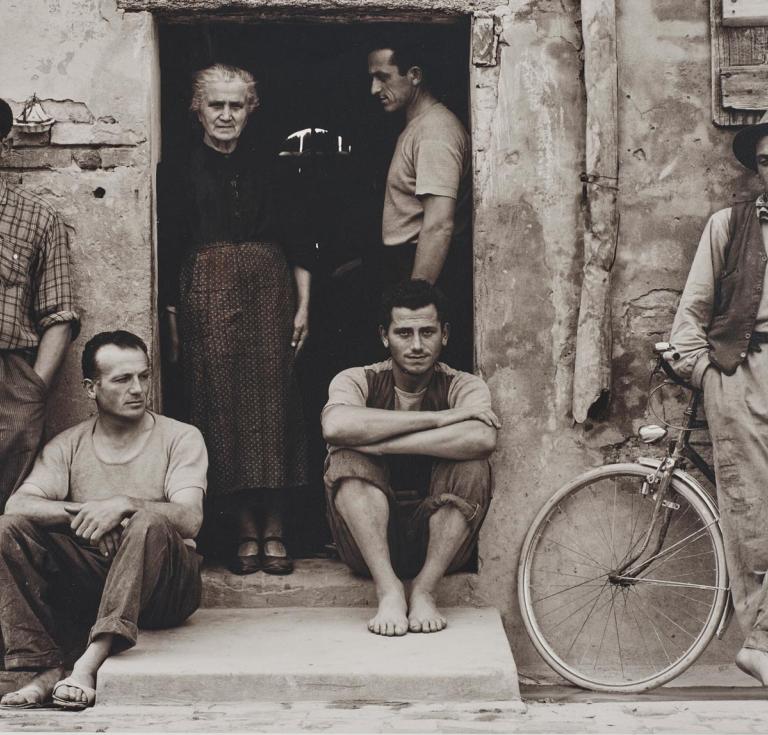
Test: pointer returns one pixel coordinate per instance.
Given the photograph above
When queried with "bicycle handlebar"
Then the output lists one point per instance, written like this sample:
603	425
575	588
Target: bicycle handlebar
664	352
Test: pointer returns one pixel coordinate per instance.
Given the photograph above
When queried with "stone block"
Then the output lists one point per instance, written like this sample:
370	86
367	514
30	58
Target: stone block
315	583
315	654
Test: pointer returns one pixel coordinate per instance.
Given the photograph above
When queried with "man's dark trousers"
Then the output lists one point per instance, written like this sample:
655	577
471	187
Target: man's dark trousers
153	581
22	418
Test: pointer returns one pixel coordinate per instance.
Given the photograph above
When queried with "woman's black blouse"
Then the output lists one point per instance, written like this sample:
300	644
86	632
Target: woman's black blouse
212	197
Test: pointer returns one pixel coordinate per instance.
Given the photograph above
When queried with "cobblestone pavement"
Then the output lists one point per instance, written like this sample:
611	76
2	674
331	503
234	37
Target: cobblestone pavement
618	716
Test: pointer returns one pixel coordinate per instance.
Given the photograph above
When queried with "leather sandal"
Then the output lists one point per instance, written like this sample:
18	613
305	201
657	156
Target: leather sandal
249	563
275	564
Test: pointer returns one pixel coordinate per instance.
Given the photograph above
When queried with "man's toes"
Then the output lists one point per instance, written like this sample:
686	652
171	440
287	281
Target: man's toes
414	625
401	629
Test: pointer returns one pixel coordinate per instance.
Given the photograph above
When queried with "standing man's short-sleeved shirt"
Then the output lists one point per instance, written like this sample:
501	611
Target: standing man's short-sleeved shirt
35	288
172	459
432	156
351	387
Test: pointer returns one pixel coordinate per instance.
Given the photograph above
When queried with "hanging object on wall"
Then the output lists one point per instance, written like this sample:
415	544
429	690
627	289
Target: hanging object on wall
592	368
33	118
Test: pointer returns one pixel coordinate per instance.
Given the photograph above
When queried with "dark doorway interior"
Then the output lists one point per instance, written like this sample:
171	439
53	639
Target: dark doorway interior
313	77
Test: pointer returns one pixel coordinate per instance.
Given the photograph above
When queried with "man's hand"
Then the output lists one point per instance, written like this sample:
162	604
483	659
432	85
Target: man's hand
97	517
479	413
110	542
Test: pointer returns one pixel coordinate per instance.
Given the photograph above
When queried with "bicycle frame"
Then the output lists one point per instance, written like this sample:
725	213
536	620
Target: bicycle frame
664	470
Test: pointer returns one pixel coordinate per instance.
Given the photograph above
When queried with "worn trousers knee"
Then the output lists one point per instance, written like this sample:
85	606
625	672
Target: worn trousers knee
153	582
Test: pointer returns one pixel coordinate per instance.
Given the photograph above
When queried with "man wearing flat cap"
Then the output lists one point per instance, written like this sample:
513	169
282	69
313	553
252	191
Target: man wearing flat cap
721	333
37	319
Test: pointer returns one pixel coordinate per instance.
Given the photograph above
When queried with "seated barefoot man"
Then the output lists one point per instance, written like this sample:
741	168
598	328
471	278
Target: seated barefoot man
102	530
407	477
721	331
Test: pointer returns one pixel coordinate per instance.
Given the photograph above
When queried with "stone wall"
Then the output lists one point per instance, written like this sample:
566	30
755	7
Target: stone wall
92	68
528	135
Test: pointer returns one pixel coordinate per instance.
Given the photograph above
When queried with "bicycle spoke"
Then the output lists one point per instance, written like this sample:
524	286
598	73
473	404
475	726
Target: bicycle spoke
669	549
666	617
605	627
595	564
671	583
584	622
653	625
572	525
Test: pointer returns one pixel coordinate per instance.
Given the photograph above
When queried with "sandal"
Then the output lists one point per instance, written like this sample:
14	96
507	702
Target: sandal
247	564
42	704
275	564
90	695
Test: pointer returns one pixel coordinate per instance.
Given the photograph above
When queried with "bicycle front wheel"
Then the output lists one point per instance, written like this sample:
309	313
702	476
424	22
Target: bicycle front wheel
603	625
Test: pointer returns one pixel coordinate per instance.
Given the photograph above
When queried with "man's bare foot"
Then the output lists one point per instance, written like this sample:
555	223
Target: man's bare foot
754	662
423	615
74	691
391	618
38	691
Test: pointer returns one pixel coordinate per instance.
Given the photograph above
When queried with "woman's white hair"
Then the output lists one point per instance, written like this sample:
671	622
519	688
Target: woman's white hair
223	73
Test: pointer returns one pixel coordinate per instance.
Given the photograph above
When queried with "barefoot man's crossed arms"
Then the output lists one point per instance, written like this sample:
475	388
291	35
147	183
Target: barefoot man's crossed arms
407	476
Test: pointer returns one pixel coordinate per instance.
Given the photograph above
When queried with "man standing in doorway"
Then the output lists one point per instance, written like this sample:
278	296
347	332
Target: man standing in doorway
426	221
721	334
408	482
37	319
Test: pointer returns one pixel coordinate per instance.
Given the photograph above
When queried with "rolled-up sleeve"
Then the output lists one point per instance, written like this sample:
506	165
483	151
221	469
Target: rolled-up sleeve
53	302
694	313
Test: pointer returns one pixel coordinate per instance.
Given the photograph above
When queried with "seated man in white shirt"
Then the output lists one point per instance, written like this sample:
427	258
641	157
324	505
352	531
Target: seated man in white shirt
101	531
407	477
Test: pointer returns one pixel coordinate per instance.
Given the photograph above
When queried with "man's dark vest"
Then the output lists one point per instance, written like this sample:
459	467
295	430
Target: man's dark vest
381	391
738	290
409	474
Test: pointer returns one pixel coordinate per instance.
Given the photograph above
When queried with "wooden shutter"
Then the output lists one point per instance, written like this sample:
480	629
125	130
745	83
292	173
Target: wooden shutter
739	35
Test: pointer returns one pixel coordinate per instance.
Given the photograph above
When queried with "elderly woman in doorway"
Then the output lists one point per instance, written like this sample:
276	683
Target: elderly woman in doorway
237	317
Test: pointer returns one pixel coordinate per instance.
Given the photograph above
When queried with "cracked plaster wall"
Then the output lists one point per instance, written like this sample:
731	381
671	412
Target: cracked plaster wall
91	66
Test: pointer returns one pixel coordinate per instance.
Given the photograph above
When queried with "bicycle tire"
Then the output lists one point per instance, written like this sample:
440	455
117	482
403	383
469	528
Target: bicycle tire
659	624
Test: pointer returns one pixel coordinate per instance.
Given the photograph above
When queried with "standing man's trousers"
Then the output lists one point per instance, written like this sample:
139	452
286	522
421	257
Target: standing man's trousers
737	414
22	418
46	576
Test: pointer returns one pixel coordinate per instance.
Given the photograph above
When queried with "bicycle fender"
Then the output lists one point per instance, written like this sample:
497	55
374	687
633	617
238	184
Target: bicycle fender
686	479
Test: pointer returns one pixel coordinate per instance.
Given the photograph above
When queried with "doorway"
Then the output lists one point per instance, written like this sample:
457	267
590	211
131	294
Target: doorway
332	145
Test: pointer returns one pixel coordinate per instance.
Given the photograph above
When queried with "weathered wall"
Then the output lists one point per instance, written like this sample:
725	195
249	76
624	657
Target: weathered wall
675	170
528	135
90	64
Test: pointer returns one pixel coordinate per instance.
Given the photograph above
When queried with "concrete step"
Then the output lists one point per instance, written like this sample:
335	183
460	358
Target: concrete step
312	654
315	583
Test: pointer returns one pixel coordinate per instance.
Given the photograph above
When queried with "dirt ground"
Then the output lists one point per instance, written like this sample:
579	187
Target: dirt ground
548	709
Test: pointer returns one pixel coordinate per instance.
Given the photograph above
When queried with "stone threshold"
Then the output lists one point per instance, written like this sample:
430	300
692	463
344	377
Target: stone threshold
316	583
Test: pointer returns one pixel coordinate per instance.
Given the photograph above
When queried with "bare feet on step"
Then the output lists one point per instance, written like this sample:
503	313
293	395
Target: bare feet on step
423	615
754	662
391	618
37	692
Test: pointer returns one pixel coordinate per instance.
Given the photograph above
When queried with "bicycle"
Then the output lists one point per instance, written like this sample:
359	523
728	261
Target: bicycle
622	581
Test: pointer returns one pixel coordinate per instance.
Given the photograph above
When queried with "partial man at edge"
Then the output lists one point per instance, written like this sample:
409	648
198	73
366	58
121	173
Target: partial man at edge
102	530
408	482
426	223
721	333
37	319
